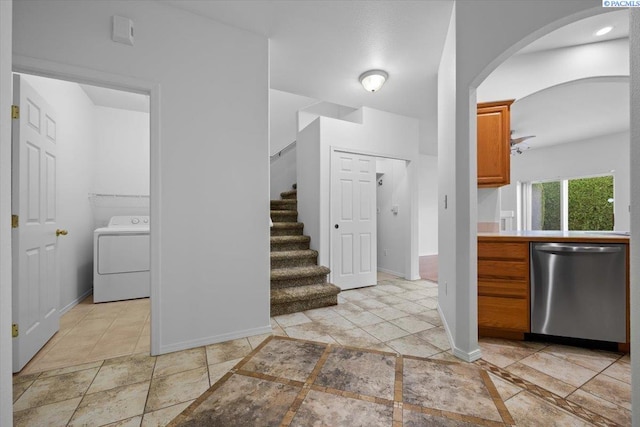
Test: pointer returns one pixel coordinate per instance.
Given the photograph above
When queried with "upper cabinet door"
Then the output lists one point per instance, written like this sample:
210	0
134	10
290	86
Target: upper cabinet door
494	128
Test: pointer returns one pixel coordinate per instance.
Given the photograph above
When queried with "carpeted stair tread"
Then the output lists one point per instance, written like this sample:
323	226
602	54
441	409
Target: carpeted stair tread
287	295
287	229
285	225
297	282
293	258
308	253
292	273
284	215
284	212
290	204
291	194
289	239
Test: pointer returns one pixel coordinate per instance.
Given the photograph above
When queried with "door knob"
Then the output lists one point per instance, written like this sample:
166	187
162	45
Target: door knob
61	232
336	226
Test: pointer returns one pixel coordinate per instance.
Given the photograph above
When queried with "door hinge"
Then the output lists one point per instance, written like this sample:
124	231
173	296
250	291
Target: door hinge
14	330
15	112
15	221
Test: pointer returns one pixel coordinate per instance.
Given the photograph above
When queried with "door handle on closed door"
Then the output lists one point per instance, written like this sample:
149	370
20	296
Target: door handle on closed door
61	232
336	226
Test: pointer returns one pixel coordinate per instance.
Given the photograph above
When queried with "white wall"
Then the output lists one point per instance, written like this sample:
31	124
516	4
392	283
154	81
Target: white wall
447	182
210	144
283	172
634	53
429	122
428	205
479	49
6	357
283	117
122	158
122	164
76	171
328	109
392	227
489	205
310	177
283	120
381	134
596	156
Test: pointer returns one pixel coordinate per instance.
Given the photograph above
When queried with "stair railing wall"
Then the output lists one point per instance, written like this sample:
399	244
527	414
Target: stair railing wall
283	170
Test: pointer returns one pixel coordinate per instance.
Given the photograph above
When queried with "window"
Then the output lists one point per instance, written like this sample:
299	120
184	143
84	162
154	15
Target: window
569	204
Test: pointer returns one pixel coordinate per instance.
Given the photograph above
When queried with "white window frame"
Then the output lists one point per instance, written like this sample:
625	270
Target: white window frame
523	195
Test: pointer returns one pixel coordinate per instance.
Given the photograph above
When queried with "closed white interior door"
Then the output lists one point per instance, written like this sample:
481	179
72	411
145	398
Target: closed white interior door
36	293
353	215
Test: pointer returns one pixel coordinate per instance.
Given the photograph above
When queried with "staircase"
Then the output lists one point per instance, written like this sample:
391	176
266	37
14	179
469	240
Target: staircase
298	283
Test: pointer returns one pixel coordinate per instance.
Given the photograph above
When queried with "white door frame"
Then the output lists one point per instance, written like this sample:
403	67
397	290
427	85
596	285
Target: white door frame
413	206
23	64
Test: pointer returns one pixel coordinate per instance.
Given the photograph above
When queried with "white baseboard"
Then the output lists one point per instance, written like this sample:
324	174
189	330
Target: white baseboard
184	345
75	302
466	356
394	273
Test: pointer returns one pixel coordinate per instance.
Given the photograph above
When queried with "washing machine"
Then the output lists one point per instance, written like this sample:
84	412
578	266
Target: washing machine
121	255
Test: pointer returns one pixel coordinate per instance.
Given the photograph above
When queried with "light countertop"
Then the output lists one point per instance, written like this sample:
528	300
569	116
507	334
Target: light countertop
548	236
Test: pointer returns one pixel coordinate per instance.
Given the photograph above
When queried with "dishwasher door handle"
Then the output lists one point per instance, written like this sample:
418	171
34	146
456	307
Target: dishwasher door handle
578	249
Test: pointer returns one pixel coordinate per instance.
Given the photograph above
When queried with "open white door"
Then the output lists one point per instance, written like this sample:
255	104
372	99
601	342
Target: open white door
353	216
35	248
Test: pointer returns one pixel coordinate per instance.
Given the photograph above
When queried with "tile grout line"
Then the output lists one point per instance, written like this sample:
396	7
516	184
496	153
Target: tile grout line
146	401
497	400
85	393
546	395
397	418
302	395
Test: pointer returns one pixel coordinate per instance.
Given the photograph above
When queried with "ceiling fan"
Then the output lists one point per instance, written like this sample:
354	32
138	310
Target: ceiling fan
515	141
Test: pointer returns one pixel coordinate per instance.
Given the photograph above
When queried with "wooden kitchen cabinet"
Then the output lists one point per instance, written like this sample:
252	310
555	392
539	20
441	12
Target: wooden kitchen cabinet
503	289
494	147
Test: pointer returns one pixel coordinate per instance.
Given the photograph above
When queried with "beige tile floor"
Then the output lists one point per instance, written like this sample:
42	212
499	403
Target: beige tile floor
94	332
97	370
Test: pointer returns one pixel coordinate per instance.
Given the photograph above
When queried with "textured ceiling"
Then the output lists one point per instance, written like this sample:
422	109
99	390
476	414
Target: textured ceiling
582	32
319	49
572	111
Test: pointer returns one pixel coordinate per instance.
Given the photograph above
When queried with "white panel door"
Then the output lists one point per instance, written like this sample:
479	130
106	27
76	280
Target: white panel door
353	216
36	293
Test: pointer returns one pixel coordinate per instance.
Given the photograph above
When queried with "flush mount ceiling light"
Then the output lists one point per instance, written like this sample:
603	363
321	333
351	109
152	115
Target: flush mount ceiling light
373	80
603	31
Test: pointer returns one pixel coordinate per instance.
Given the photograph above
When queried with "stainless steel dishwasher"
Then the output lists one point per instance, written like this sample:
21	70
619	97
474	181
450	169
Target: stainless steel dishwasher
578	290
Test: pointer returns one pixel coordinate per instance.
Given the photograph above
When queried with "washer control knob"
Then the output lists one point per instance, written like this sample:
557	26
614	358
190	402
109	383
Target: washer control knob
135	221
146	221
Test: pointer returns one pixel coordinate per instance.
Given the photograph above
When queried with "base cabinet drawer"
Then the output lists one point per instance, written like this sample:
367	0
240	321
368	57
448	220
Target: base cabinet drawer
503	313
503	269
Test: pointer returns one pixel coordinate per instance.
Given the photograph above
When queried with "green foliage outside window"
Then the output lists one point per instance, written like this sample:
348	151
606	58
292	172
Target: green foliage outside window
551	217
589	208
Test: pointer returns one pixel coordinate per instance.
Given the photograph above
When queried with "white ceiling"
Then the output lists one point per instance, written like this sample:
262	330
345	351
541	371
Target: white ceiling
580	109
318	49
573	111
583	32
119	99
